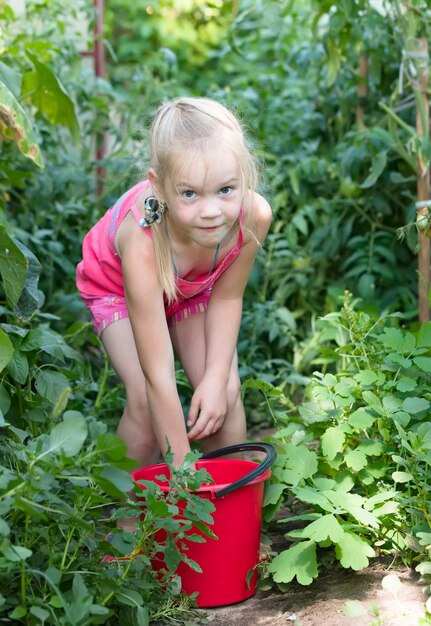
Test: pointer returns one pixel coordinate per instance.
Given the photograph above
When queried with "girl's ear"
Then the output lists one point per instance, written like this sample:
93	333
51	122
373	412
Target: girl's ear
153	178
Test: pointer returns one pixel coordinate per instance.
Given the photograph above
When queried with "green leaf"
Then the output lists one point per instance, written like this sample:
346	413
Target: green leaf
353	551
361	418
273	492
28	301
402	477
46	92
111	445
18	612
366	377
332	442
326	527
172	554
301	463
424	568
46	340
13	268
15	126
377	166
115	481
68	437
415	405
11	79
51	384
373	400
403	343
15	553
299	560
356	459
6	349
405	383
423	363
18	367
312	496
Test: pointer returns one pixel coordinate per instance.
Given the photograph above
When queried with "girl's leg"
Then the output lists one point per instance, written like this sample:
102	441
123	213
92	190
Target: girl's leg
188	340
135	424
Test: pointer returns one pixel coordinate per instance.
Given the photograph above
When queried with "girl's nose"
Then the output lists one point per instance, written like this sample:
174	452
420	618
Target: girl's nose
210	208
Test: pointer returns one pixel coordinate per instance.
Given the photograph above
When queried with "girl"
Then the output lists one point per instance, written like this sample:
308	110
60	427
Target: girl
163	274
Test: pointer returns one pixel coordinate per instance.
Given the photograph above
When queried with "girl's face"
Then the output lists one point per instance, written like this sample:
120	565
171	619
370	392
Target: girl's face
205	199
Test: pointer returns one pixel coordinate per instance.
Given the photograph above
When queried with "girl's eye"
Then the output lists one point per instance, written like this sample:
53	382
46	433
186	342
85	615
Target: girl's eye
225	191
188	194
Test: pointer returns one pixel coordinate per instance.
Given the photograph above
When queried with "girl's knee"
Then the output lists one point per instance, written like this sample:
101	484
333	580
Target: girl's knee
233	390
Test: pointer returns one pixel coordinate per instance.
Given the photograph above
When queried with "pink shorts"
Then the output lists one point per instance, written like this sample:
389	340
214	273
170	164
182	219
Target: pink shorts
106	310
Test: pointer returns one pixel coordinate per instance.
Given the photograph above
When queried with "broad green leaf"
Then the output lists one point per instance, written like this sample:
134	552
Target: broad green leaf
402	477
266	387
68	437
353	551
424	568
6	349
415	405
115	481
377	166
273	493
29	299
383	496
11	79
51	384
13	268
313	496
326	527
403	343
356	459
299	560
301	462
15	126
172	554
18	367
45	91
46	340
405	383
373	400
332	442
423	363
366	377
111	445
14	553
371	447
361	418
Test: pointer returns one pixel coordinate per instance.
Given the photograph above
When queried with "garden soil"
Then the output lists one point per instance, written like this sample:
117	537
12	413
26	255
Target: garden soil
385	597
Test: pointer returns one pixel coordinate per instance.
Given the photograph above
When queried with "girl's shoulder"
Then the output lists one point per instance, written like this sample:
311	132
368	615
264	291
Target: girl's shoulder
258	219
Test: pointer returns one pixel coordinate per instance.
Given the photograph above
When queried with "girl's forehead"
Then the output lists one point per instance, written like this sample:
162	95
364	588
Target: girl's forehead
199	168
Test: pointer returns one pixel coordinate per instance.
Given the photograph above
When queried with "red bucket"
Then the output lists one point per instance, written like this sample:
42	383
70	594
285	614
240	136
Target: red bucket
237	493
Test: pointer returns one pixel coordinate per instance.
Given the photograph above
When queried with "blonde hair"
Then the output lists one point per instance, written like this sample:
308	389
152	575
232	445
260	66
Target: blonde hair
179	126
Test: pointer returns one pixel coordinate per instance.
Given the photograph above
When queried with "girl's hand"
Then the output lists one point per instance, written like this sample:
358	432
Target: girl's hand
208	409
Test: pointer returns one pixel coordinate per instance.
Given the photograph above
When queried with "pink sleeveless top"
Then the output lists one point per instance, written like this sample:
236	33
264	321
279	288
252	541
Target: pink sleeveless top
100	273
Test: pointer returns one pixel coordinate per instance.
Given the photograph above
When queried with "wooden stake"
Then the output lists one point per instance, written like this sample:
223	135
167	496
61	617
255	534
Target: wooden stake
423	182
362	91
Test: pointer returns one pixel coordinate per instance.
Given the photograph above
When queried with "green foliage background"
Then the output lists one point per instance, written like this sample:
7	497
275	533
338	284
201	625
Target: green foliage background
344	379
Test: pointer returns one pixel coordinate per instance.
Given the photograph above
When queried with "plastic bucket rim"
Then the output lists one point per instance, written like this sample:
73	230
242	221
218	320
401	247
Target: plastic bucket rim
212	488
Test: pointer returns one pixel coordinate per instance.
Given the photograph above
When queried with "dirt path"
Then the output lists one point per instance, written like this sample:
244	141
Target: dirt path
385	597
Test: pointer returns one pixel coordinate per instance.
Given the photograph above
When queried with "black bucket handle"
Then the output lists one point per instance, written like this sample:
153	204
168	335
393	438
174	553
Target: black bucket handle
259	446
